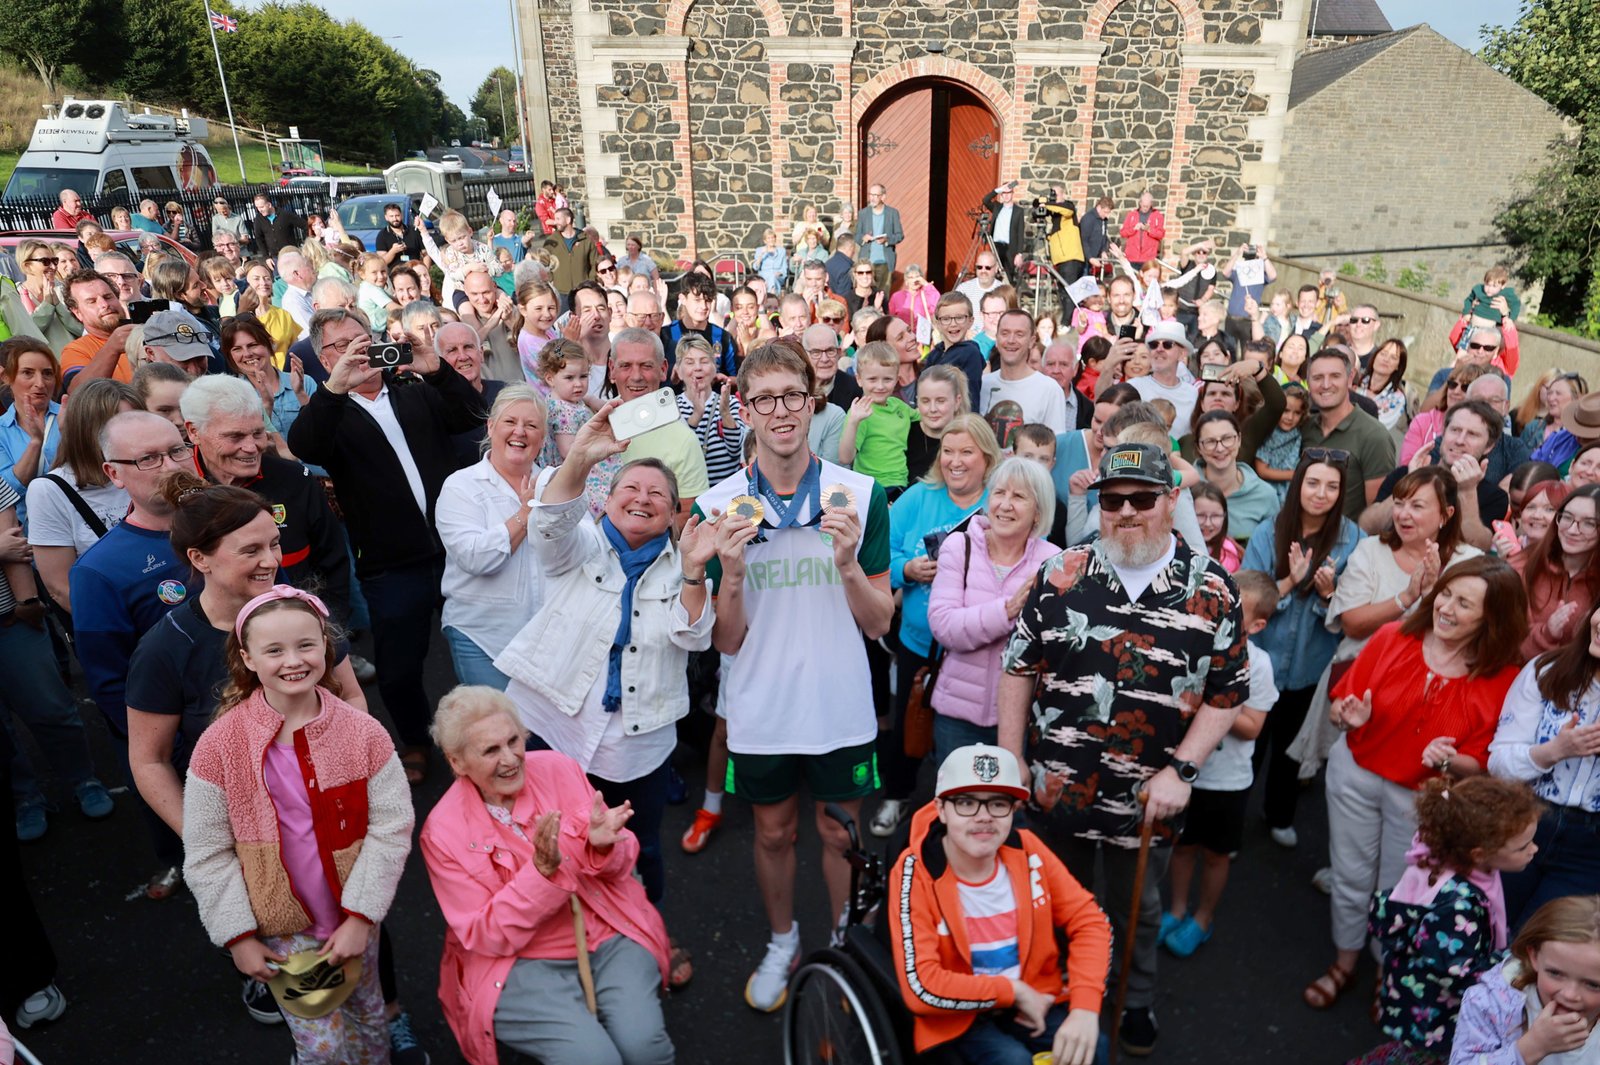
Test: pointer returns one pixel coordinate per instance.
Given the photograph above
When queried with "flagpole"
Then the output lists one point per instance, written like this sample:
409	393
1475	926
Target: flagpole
237	151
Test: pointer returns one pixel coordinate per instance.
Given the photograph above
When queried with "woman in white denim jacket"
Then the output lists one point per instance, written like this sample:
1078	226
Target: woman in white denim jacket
600	673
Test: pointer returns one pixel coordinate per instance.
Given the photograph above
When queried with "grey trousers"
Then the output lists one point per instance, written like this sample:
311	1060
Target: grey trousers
541	1012
1115	894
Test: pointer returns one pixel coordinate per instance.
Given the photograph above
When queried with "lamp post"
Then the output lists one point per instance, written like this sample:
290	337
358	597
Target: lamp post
505	134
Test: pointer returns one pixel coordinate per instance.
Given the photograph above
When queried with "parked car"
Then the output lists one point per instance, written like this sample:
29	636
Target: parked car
129	241
362	216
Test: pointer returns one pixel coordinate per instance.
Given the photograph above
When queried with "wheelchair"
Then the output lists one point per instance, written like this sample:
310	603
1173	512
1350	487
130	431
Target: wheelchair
844	1005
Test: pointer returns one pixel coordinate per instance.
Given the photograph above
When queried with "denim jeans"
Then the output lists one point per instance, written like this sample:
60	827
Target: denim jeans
33	691
1568	863
473	664
997	1039
952	732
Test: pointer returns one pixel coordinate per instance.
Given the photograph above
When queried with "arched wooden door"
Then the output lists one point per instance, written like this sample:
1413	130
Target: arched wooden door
935	146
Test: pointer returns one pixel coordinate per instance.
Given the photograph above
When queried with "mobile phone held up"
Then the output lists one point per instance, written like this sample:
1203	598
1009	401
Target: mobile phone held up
639	416
389	356
139	311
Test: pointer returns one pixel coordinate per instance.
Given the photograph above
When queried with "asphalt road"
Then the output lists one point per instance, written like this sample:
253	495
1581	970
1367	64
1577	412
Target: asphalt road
144	986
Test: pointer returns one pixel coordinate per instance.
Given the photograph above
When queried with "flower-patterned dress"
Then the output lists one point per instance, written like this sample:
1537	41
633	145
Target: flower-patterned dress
1431	955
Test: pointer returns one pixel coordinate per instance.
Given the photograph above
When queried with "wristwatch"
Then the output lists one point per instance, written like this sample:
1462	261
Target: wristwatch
1187	772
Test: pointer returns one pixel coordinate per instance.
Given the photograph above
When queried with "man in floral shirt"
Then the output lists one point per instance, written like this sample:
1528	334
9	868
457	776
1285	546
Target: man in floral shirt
1127	667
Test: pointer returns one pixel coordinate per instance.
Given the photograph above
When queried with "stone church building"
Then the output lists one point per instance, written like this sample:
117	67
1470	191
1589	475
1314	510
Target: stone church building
698	123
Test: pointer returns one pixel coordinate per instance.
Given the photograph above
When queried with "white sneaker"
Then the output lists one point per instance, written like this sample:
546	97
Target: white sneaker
41	1006
888	817
1286	837
1322	880
768	986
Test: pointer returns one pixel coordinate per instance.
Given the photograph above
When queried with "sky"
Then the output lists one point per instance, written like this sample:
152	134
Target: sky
464	52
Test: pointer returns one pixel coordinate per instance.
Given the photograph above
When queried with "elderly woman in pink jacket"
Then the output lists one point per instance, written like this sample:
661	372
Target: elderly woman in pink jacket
983	578
523	854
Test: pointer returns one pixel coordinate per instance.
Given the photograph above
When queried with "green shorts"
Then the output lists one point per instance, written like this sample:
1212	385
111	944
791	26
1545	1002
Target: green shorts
848	773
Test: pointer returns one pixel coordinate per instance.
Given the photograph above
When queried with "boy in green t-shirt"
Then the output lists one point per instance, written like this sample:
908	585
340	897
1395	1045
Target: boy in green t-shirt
878	423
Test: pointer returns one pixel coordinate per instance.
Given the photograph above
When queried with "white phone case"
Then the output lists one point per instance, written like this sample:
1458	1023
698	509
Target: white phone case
639	416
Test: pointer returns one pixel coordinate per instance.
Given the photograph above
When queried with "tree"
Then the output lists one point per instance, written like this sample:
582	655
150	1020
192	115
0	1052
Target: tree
46	34
1554	51
486	104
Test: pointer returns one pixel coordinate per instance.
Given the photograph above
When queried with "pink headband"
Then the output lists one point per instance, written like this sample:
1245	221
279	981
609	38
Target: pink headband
278	591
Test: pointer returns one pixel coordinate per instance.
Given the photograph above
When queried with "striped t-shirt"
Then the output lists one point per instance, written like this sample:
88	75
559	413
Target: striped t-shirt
990	910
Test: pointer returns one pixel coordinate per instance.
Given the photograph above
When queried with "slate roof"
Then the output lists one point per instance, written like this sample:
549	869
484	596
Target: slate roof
1315	71
1347	18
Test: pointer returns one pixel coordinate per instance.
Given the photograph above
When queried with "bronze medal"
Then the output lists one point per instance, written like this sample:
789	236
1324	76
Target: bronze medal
749	508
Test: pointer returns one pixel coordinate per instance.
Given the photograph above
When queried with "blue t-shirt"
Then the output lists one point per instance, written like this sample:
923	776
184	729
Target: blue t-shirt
141	222
922	509
512	244
14	441
1237	294
121	587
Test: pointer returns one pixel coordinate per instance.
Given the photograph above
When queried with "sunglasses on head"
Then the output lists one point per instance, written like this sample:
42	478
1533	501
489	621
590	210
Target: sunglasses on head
1113	502
1332	456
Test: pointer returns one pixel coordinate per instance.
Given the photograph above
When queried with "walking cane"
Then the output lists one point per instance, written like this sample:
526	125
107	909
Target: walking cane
586	974
1130	931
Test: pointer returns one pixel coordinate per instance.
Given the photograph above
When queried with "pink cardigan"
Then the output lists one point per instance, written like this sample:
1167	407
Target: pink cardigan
970	622
497	906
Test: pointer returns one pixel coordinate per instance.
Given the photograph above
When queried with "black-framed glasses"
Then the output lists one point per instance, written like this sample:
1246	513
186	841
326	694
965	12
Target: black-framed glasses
153	461
823	353
968	805
605	269
792	401
1162	345
951	319
986	266
1113	502
1333	456
1473	345
1220	441
1587	526
1364	320
51	259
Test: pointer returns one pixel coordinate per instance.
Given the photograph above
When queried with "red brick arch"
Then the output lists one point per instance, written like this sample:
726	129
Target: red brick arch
1188	11
771	11
996	95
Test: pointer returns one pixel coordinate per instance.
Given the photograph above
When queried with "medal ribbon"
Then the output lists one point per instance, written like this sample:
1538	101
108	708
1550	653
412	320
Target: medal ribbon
783	516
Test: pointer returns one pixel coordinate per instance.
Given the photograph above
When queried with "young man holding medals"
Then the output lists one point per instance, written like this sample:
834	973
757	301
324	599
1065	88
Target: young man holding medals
801	574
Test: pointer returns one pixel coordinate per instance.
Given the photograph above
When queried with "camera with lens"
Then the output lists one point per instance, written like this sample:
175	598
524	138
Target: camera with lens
389	356
1248	252
1040	215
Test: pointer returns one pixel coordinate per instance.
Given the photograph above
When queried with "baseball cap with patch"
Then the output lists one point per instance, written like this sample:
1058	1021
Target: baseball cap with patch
980	767
1135	462
178	333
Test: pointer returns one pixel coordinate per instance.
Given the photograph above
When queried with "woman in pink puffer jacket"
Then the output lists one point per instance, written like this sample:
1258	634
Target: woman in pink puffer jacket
983	579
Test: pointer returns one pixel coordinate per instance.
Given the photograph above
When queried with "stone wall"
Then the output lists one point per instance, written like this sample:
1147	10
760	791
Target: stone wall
1224	103
561	86
645	142
1136	102
730	132
1385	158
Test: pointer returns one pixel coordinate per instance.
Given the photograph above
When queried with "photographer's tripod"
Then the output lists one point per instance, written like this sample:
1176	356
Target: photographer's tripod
981	239
1041	266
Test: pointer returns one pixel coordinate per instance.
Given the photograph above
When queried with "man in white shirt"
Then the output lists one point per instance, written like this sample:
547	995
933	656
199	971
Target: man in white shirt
1169	344
297	274
986	279
1040	398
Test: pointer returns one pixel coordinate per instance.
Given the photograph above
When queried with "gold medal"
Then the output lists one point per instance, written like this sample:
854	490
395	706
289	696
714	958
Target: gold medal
749	508
837	497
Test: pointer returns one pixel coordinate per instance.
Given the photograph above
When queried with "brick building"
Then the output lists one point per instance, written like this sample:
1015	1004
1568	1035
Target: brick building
1385	150
701	122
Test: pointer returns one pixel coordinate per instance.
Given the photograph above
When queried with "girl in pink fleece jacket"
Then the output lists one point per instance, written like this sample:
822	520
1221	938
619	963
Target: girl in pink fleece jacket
297	821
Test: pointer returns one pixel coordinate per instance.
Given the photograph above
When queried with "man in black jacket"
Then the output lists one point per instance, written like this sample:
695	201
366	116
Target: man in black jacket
223	416
275	229
385	441
1008	225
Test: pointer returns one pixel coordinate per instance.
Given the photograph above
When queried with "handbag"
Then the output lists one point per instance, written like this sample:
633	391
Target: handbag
917	735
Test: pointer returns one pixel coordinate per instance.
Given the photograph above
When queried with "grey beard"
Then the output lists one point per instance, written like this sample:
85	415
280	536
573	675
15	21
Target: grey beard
1143	553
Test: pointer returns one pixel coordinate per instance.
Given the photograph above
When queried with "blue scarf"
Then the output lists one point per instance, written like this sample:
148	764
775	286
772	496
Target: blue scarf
634	560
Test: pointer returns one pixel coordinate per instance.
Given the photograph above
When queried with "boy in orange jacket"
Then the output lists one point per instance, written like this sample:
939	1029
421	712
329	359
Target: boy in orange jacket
975	905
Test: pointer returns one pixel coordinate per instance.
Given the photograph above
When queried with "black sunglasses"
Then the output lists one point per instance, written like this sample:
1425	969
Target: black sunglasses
1474	346
1333	456
1112	502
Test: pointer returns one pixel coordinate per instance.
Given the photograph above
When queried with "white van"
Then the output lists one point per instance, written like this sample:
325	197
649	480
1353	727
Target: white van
96	148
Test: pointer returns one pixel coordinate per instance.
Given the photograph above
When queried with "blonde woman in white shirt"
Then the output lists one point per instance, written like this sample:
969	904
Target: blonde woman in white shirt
492	584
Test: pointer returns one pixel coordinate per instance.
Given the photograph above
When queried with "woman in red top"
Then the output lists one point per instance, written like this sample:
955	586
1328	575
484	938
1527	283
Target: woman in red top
1421	699
1561	573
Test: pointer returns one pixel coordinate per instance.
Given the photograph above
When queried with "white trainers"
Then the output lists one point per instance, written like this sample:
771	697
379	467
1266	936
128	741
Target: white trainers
889	814
44	1005
768	986
1286	837
1322	880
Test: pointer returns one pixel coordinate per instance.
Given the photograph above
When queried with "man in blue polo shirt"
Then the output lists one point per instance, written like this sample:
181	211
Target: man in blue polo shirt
126	582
